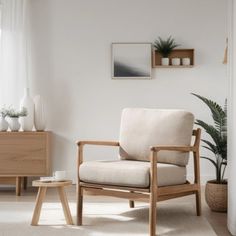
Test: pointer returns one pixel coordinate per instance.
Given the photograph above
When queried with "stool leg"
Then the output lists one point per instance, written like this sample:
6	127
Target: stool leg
65	205
38	205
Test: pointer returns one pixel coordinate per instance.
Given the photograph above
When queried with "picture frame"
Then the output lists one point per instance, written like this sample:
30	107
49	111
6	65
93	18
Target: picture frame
131	60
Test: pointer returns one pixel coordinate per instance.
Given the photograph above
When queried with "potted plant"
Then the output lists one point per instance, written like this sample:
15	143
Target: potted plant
3	122
165	47
14	115
216	190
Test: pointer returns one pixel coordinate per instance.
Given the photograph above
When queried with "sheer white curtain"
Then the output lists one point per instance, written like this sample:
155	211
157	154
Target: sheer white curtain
14	50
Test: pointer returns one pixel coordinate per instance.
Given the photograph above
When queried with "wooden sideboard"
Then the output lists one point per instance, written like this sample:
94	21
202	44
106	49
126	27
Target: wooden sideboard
24	154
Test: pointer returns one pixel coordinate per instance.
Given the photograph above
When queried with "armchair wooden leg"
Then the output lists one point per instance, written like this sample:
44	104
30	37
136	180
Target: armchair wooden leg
152	214
79	205
131	204
198	203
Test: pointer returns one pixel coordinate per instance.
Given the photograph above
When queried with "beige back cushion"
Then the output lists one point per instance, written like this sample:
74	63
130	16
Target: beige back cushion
143	128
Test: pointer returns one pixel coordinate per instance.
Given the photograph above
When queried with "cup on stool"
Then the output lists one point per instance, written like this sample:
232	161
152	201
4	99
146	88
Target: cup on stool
60	175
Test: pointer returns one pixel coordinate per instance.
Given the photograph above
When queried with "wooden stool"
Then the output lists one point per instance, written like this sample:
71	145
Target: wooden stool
41	194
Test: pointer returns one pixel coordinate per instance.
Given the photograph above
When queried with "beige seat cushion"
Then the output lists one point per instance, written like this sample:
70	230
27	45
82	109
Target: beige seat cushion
130	173
142	128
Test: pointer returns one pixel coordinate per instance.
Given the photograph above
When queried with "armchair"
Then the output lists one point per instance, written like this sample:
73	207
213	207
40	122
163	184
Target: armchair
153	143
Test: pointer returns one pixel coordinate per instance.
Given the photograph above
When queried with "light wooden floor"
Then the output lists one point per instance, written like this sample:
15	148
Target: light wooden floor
218	221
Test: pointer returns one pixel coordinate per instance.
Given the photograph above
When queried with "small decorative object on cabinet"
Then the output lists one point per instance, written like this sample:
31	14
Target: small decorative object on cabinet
14	124
186	56
14	115
24	154
27	123
164	48
39	116
3	123
131	60
216	190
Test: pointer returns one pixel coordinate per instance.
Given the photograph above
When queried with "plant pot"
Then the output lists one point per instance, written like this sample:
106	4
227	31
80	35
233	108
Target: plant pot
3	124
216	196
186	61
165	61
175	61
14	124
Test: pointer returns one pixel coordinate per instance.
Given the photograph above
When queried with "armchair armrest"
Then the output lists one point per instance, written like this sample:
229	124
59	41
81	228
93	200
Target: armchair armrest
101	143
173	148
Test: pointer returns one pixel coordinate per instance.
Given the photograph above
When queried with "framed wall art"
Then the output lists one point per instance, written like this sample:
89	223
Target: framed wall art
131	60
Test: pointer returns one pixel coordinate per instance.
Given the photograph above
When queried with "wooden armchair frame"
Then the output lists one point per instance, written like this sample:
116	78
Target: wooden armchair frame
153	194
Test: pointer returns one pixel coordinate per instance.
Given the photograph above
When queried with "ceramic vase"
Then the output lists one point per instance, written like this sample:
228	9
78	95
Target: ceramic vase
14	123
27	122
39	115
175	61
186	61
3	124
165	61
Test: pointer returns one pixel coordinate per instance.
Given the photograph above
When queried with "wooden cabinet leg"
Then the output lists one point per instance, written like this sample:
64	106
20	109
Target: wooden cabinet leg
25	180
65	205
38	205
131	204
18	186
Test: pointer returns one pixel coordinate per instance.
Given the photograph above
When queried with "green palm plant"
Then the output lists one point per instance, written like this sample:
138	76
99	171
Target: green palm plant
218	133
165	47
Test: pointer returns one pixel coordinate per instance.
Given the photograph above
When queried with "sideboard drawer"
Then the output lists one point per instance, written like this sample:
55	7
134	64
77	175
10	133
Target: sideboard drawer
24	153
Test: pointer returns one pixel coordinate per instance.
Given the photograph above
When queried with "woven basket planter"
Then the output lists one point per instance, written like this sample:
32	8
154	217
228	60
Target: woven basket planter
216	196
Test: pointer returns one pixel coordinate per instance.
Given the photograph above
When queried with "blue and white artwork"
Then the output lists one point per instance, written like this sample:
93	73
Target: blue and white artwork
131	60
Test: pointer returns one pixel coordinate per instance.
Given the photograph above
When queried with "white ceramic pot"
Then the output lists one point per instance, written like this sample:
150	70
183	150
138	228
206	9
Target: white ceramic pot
14	123
186	61
165	61
175	61
27	122
3	124
39	115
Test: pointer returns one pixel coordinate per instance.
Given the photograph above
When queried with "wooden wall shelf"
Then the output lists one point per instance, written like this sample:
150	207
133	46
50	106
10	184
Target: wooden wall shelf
180	53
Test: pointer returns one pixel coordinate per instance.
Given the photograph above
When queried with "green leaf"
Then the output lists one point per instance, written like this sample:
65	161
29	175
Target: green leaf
211	130
209	159
165	47
218	113
211	146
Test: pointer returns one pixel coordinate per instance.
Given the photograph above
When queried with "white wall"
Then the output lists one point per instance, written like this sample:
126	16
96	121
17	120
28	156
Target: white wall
232	116
72	66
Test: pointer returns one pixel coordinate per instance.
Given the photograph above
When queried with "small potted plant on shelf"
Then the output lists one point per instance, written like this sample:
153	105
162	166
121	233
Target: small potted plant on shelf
165	47
216	190
14	115
3	122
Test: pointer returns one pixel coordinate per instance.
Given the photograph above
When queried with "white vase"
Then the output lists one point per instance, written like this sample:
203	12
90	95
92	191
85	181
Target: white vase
14	123
39	115
3	124
27	122
165	61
